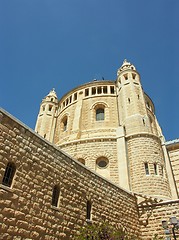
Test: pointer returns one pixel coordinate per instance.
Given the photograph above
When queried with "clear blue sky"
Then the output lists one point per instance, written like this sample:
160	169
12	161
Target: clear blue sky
65	43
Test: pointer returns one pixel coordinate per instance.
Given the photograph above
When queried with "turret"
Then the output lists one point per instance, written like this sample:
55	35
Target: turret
46	119
133	112
145	158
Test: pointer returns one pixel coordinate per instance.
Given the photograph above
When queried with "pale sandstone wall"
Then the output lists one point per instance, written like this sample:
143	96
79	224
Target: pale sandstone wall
81	113
90	151
147	149
46	119
151	217
174	158
25	209
90	126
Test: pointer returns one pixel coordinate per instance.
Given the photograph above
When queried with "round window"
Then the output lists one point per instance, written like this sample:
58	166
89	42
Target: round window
102	162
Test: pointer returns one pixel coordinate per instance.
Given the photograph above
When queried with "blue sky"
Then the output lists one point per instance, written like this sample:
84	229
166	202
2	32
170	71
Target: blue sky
65	43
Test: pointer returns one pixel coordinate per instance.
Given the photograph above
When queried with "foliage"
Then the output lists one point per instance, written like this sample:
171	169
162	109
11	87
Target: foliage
157	238
103	232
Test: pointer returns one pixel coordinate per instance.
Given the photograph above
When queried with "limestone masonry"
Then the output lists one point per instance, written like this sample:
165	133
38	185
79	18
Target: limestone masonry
97	154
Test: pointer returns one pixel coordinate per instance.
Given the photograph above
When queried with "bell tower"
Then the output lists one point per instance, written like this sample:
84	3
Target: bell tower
145	158
133	112
46	119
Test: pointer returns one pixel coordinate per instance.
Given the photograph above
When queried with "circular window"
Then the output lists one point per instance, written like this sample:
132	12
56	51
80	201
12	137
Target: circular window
102	162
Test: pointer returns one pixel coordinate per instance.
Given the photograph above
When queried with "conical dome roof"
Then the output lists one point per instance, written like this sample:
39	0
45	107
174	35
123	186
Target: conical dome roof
126	65
52	93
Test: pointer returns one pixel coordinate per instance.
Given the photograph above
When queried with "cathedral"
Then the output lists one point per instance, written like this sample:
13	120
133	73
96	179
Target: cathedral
111	127
98	153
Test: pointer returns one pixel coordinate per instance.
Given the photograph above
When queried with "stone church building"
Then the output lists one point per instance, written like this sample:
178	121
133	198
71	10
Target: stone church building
97	154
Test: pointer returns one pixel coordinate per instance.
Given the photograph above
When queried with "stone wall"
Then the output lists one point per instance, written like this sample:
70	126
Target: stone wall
146	148
91	150
173	151
151	216
81	113
25	208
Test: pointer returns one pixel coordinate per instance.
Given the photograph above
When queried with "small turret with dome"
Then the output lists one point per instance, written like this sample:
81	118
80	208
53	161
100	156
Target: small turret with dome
45	124
51	97
140	134
125	66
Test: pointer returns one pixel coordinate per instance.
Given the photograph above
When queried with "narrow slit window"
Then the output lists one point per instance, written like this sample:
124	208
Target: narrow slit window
93	91
67	102
86	92
75	96
155	169
70	99
50	108
9	174
112	89
133	76
99	90
65	124
55	196
88	210
126	76
162	172
146	165
129	101
105	89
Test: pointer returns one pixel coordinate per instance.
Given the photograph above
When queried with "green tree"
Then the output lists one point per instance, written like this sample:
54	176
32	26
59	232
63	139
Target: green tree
103	232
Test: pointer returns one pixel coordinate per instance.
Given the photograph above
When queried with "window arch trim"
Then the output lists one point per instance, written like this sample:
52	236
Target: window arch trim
102	162
99	104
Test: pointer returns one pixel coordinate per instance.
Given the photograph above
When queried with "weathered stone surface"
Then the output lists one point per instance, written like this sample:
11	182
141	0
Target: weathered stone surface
151	217
26	210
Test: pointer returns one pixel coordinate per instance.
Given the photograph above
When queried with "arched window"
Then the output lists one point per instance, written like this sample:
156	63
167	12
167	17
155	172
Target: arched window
55	196
9	174
88	210
100	114
64	123
146	168
81	160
